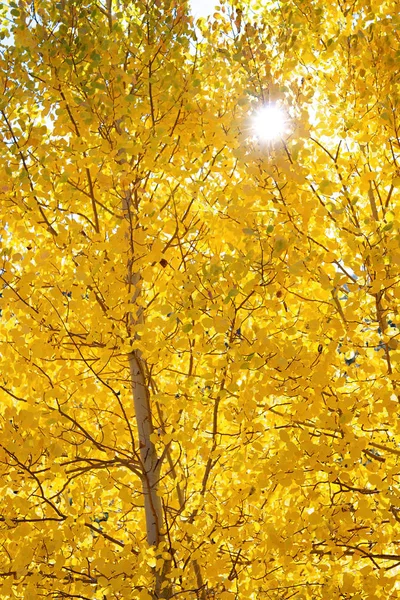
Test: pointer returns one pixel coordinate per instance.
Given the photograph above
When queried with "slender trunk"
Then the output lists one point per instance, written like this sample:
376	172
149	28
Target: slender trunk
148	455
151	466
109	14
150	462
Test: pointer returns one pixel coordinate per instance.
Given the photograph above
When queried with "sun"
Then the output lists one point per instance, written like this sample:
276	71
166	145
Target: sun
269	123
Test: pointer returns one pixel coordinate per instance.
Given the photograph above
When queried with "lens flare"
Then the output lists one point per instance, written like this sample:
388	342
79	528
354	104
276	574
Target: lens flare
269	123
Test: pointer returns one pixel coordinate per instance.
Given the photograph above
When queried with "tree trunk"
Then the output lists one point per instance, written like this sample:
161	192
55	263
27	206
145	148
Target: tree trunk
150	462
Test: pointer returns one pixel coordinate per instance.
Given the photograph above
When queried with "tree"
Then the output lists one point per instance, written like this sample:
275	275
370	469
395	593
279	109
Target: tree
199	331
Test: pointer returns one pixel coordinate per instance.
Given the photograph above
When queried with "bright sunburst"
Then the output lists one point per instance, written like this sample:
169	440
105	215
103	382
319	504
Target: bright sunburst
269	123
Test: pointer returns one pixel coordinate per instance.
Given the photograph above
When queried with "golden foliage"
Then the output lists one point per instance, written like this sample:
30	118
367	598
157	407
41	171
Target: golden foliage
156	257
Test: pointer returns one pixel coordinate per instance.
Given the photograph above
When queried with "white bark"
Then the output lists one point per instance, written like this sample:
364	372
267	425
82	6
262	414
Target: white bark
150	462
148	455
